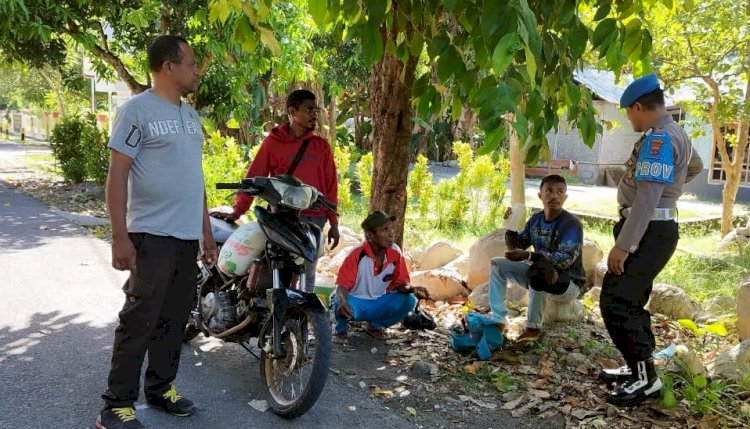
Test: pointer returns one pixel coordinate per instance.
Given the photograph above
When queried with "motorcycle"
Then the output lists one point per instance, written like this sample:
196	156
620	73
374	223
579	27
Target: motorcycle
256	290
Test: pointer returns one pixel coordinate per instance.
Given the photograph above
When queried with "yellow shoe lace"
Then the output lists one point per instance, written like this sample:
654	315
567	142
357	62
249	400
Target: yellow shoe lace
172	395
126	414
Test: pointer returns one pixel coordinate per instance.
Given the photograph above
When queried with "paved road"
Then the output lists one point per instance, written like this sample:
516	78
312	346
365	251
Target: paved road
58	304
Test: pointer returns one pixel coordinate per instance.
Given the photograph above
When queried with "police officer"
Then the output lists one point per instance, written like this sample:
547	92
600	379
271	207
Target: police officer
646	235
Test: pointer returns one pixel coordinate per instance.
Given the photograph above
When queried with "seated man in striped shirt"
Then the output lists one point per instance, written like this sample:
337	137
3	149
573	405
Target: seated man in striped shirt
373	283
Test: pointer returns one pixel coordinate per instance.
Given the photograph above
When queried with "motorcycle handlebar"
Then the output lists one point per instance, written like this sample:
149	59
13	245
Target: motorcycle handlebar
227	186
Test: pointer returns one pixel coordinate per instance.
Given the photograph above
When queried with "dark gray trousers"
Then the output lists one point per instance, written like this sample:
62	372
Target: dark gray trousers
157	305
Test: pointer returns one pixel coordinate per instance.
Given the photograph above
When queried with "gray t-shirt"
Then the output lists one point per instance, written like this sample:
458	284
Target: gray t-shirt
165	186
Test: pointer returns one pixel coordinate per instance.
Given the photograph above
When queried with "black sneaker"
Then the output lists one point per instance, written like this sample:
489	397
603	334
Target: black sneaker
616	375
118	418
171	402
644	384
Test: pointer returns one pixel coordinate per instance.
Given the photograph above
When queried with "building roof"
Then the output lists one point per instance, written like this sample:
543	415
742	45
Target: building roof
602	84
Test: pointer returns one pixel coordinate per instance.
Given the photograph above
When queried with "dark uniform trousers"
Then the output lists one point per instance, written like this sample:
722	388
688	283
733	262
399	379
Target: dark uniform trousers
624	297
157	305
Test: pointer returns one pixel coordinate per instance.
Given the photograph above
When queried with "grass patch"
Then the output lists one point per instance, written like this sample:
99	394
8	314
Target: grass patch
44	162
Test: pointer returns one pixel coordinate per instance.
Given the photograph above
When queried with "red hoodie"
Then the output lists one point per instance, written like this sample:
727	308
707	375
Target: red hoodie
316	168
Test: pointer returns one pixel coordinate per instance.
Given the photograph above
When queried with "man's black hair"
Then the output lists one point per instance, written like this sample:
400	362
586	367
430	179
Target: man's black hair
165	48
296	98
552	178
652	100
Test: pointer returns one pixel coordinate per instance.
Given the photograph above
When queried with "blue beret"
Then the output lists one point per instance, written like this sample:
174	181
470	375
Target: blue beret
640	87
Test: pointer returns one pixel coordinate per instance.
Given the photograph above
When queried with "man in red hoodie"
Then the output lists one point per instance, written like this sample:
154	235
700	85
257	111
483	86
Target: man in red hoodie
315	167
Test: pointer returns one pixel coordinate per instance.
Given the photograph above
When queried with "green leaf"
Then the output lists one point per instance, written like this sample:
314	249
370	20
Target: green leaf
646	44
244	34
606	30
438	45
668	3
603	11
574	93
534	105
504	53
668	399
531	67
700	381
372	43
567	12
422	123
318	10
417	44
450	5
219	11
578	38
689	324
376	11
492	140
268	40
632	41
717	328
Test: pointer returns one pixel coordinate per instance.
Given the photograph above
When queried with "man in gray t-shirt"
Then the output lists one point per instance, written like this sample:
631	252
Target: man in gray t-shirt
156	204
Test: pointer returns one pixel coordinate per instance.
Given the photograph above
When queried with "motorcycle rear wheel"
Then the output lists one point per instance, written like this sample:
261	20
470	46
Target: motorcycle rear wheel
294	383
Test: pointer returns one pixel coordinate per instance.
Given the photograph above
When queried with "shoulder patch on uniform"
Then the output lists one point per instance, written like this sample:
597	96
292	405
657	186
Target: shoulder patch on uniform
133	139
655	161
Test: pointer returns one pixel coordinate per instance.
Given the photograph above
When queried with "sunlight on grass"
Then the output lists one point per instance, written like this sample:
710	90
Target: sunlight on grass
42	161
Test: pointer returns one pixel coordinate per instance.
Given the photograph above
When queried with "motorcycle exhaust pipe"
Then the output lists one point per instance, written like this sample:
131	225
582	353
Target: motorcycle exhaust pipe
233	329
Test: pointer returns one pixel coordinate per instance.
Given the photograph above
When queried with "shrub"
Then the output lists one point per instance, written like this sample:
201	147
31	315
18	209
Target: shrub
67	149
364	174
94	143
342	156
419	178
222	162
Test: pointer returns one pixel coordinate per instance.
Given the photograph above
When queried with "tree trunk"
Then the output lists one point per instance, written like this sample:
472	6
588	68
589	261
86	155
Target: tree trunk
731	165
58	92
332	114
517	169
390	105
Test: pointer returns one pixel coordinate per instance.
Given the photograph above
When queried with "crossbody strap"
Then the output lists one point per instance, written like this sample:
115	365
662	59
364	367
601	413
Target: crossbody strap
298	157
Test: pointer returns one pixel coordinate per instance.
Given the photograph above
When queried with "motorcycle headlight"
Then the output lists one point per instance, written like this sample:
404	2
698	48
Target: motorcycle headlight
296	197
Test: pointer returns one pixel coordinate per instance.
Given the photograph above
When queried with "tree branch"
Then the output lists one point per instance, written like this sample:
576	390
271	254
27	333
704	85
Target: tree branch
102	35
110	58
165	17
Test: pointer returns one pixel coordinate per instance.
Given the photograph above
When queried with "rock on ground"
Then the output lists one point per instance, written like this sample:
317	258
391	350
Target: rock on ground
734	364
571	311
337	261
516	296
743	310
480	253
442	284
599	271
459	265
672	302
436	255
692	362
591	256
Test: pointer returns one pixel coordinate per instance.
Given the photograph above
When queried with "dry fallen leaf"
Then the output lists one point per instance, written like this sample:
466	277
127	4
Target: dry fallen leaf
377	391
541	394
259	404
512	404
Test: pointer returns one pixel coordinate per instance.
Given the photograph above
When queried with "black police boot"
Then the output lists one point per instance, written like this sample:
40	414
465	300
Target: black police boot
616	375
643	384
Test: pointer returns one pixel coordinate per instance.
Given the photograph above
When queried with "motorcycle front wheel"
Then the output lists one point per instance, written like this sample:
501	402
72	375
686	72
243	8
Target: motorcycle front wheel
294	382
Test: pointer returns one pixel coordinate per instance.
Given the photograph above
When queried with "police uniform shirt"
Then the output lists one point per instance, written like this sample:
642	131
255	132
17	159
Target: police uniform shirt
663	160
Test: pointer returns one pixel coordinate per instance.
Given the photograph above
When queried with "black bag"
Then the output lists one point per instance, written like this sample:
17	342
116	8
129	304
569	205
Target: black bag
419	319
